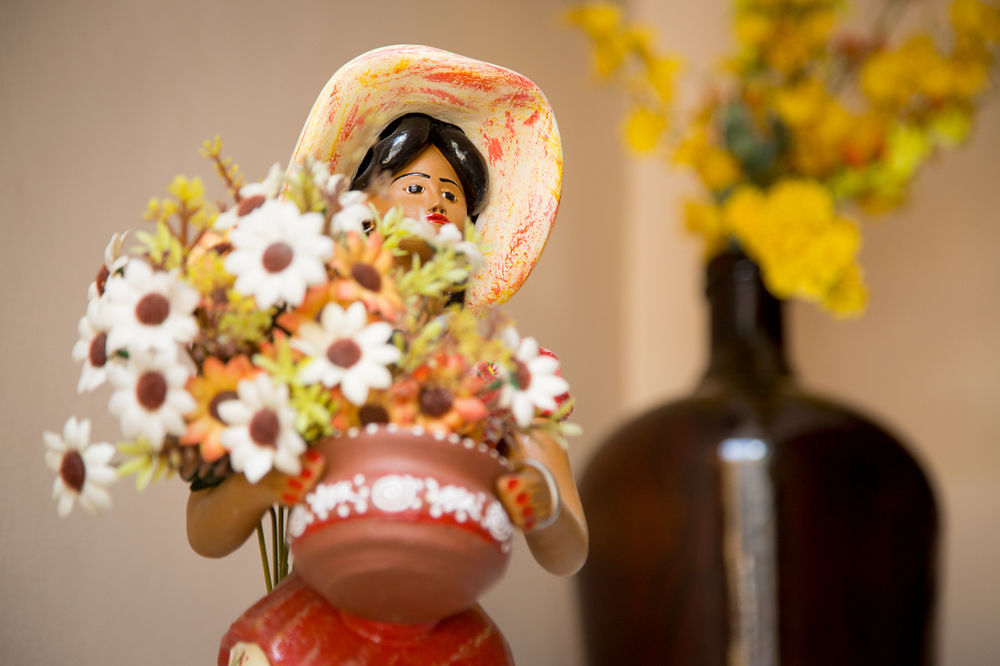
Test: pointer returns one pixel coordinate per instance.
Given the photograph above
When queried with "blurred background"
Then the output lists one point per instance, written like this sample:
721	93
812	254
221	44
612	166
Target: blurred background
102	103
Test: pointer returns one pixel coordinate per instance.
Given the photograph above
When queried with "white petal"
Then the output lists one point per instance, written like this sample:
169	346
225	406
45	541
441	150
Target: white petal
98	496
65	505
257	466
54	441
98	454
523	410
355	388
374	333
235	412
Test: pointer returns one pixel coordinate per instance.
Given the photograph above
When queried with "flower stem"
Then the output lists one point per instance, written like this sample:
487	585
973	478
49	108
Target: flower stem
274	543
283	545
263	555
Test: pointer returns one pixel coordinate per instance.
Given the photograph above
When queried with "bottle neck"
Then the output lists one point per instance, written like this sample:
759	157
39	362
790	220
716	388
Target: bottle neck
747	328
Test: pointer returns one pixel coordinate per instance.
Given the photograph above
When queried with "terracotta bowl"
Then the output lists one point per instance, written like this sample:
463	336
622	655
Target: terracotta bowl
404	526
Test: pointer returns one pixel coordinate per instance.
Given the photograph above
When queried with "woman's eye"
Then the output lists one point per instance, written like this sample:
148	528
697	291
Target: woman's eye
414	188
450	197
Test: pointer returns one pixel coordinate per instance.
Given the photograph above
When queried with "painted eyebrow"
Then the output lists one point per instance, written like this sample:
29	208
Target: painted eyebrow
412	173
449	180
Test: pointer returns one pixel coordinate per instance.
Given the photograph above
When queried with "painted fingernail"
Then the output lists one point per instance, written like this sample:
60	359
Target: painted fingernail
306	474
512	484
529	525
528	512
288	498
522	498
313	455
295	484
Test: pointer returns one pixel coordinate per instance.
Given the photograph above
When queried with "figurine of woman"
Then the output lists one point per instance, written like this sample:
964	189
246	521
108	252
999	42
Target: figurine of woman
448	139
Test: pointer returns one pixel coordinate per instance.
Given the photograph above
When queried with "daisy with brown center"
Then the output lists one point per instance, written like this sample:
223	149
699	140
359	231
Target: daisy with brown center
114	261
252	196
150	399
216	384
447	236
347	351
363	267
261	434
83	469
92	349
348	210
315	300
532	383
278	252
147	310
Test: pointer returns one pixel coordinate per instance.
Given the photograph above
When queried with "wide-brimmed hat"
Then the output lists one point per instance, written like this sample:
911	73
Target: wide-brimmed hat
505	116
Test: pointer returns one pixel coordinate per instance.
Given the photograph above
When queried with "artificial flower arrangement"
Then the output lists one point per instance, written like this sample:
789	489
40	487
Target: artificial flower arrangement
802	123
234	338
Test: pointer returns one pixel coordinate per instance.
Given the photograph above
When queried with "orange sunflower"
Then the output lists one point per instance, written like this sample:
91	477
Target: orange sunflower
363	267
216	384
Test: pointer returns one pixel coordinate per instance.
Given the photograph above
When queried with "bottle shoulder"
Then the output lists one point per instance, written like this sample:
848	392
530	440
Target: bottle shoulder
799	429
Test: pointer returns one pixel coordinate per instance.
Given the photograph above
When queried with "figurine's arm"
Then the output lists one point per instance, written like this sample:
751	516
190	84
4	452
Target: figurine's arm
555	527
221	518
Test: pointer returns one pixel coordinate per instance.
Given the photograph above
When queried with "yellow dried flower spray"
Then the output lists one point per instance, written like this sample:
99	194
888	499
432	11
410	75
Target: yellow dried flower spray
814	121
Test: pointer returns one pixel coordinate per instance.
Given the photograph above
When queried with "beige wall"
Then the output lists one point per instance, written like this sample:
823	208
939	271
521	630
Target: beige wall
102	103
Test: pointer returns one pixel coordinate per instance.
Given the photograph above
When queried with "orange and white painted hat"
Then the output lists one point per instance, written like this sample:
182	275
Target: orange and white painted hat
505	116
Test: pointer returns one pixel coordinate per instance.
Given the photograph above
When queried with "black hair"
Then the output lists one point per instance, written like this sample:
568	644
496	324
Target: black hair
404	139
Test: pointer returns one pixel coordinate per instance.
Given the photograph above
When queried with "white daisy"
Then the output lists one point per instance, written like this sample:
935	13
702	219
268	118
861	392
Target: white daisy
332	184
534	383
354	213
278	252
252	196
261	433
114	260
83	469
147	310
346	350
351	209
92	348
269	187
449	236
150	399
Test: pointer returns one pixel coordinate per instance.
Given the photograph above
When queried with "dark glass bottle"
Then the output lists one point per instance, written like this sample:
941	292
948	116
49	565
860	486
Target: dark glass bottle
754	524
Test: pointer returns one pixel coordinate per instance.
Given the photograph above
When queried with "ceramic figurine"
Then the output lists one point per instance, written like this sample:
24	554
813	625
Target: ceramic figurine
394	536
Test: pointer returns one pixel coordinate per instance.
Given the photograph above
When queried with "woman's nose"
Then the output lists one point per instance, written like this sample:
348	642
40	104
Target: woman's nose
438	204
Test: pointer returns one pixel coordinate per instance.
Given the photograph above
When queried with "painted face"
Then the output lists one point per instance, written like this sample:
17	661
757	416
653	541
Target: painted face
428	188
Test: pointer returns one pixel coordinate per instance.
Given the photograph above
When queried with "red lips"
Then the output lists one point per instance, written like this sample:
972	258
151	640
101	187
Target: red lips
438	218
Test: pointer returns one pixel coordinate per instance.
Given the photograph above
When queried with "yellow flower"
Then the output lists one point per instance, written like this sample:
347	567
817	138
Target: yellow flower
792	231
597	18
643	129
716	167
951	126
753	28
660	74
705	220
849	295
602	22
802	102
976	23
907	148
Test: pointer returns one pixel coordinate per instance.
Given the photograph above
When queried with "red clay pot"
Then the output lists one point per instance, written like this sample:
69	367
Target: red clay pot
295	626
404	527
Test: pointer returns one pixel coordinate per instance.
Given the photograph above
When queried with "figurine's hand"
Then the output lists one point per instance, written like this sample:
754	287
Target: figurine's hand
291	489
526	496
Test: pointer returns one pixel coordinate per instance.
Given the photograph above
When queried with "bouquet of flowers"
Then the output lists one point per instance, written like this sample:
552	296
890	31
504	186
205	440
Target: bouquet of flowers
802	123
233	338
